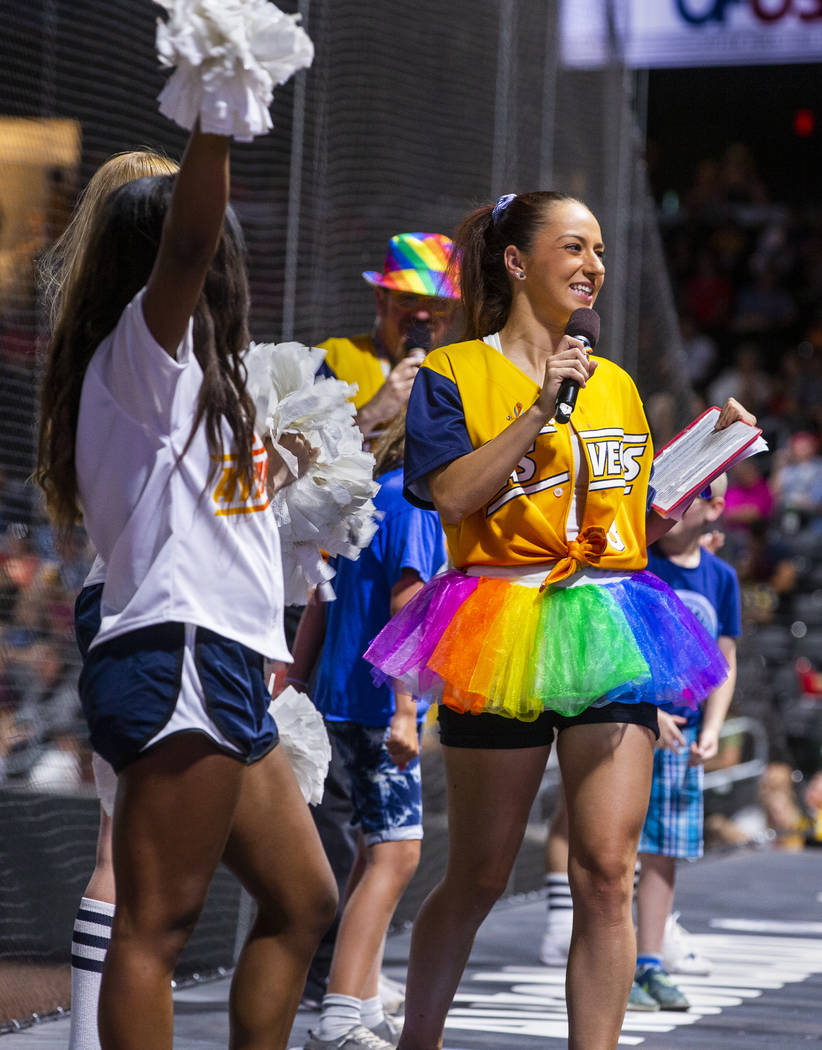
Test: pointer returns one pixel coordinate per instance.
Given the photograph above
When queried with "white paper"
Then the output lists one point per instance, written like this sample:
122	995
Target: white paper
698	455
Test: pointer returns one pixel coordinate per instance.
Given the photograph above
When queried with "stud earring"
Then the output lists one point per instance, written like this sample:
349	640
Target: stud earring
521	275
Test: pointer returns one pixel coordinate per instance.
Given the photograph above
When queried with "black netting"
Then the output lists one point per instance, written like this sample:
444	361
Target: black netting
411	115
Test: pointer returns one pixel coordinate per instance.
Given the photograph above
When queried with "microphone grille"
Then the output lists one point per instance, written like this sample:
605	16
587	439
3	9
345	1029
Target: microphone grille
584	324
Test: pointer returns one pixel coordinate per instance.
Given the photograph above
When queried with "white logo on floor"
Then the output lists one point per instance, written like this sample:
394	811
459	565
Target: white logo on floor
744	965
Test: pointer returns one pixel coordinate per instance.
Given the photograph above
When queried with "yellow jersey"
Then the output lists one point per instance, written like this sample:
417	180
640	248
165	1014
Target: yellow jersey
465	395
355	361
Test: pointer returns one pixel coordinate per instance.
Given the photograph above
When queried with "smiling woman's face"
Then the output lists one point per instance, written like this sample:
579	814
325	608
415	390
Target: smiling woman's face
564	268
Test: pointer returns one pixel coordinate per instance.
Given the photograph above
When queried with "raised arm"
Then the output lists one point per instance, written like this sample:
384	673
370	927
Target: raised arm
191	233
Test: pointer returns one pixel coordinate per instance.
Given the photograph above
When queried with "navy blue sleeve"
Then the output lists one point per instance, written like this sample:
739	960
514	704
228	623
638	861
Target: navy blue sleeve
649	499
435	433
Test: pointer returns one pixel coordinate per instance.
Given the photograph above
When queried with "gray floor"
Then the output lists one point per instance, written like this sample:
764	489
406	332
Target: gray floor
756	915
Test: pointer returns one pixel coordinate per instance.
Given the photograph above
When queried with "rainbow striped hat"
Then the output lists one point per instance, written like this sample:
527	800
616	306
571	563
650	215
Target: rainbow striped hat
418	263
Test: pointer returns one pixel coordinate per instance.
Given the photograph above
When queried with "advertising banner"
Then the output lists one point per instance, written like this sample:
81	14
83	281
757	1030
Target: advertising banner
647	34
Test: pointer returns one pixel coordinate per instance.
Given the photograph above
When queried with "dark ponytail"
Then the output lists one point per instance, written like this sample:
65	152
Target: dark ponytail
480	242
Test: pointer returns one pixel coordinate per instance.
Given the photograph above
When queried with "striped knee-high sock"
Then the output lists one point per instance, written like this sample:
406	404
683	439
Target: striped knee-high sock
89	944
560	905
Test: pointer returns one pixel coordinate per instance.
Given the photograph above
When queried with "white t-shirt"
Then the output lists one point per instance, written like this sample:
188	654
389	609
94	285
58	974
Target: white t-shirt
174	550
97	572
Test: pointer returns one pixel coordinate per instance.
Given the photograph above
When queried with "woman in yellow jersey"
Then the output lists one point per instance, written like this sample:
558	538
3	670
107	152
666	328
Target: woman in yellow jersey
548	620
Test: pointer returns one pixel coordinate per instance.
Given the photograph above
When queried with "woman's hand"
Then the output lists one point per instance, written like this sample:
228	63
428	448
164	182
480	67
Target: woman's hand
279	475
670	735
571	361
733	411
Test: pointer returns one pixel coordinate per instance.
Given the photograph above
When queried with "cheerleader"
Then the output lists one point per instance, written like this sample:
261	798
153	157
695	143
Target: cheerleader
148	432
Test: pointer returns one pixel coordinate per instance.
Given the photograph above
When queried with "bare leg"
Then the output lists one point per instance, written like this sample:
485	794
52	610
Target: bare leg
101	884
654	900
357	955
556	842
490	794
92	932
275	851
606	770
559	913
172	817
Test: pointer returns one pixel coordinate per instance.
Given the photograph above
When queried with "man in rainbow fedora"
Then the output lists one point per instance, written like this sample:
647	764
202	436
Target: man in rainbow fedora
416	298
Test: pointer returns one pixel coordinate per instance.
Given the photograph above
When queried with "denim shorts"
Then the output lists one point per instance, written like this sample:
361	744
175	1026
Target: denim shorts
495	732
387	800
673	826
147	685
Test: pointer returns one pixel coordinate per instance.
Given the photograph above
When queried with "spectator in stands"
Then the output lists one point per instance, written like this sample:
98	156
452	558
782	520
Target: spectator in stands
763	304
745	375
749	499
416	299
59	763
767	572
730	248
708	293
700	350
796	482
15	503
739	177
705	195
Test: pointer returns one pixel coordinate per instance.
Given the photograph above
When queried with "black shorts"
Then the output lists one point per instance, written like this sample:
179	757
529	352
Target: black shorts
492	732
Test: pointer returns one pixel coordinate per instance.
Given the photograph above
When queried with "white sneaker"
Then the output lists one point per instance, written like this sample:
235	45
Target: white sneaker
357	1038
554	949
388	1029
677	955
392	994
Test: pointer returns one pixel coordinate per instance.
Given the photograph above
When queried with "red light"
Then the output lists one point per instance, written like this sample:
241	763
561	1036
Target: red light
803	123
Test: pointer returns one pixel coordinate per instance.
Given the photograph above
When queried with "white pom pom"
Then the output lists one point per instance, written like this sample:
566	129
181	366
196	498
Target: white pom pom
329	509
228	55
305	740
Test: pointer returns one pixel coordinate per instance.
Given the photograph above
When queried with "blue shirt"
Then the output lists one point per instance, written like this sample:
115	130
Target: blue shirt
408	538
710	591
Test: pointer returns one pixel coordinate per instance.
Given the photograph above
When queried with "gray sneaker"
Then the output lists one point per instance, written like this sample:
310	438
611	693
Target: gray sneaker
388	1029
357	1038
660	987
640	1000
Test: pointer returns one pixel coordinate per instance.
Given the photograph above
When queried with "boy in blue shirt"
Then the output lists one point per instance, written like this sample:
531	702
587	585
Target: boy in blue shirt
376	731
673	827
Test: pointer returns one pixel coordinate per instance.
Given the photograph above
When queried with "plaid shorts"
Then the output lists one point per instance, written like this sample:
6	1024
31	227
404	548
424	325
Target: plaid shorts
673	826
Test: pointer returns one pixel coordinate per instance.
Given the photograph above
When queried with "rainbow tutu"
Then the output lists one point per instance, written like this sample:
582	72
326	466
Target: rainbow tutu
489	644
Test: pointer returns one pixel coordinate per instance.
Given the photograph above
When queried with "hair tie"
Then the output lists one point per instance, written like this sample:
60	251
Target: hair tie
501	205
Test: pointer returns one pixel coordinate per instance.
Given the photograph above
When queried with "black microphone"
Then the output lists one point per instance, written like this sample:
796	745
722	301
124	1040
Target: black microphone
583	324
417	337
